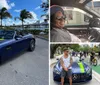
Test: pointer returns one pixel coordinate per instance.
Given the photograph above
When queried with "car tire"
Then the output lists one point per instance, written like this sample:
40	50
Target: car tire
32	45
0	61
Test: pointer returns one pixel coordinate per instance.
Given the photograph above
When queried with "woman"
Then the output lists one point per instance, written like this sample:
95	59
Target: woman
58	32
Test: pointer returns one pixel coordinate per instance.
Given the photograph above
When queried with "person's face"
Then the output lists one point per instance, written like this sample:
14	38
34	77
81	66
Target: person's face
59	20
66	52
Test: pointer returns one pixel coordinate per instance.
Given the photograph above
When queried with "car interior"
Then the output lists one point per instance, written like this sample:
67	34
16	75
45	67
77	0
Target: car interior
81	20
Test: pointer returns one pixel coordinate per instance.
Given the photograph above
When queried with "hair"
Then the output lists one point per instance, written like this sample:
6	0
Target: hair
65	49
53	10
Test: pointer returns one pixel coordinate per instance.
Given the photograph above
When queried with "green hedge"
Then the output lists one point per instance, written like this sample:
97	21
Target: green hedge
35	31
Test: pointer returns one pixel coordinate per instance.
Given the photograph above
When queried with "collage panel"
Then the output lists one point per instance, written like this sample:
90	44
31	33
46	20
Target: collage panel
74	42
24	42
74	64
74	21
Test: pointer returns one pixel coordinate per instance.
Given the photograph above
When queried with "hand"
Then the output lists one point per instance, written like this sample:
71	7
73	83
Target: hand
66	69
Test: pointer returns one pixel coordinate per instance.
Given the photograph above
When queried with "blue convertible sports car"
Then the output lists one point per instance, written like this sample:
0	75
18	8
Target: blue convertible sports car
13	42
81	72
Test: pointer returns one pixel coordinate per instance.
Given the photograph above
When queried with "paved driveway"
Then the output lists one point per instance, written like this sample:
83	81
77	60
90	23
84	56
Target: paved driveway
29	68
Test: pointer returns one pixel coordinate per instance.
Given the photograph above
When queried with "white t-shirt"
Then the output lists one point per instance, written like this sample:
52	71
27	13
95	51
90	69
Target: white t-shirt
66	61
62	35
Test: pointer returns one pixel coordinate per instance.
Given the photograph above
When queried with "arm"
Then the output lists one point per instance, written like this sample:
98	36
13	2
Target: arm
74	38
71	61
62	64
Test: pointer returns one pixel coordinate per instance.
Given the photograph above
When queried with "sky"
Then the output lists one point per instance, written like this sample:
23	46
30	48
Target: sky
15	6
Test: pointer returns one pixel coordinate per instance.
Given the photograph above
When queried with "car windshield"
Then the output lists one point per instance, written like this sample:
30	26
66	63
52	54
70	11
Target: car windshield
76	16
94	5
5	34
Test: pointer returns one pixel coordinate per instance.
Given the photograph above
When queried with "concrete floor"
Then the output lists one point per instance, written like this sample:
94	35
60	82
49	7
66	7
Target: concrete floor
29	68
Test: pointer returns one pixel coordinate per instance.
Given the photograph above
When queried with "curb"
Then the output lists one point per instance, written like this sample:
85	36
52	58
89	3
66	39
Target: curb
96	75
42	38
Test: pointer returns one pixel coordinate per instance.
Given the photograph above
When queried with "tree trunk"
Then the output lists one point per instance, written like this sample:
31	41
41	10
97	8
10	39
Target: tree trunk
1	23
52	50
22	23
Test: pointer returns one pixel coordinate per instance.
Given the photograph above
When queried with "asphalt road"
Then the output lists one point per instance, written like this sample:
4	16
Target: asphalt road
29	68
92	82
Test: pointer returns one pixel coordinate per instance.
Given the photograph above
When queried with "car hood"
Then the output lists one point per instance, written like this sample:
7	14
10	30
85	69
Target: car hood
77	67
3	40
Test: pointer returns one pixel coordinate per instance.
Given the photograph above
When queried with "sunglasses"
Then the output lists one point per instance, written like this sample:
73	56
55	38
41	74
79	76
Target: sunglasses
61	18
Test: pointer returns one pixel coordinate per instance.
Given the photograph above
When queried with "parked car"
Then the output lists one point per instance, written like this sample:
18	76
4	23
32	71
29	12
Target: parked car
12	42
81	72
81	20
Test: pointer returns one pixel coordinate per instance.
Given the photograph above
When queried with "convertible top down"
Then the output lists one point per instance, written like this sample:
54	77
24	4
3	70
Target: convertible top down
12	42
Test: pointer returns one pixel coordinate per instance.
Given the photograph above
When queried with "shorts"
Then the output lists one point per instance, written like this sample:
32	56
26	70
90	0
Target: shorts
68	73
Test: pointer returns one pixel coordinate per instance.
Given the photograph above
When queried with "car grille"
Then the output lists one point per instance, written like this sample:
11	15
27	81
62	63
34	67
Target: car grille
80	77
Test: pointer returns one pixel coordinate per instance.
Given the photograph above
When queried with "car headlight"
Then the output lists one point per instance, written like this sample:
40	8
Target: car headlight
89	70
56	71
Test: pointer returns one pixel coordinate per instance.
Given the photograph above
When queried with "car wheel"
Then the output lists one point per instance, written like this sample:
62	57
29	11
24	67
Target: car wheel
0	61
32	45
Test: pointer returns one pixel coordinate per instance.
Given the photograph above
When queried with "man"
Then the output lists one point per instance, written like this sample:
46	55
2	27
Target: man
58	32
66	62
92	57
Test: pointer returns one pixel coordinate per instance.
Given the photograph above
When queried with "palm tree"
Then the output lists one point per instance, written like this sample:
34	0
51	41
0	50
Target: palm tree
24	14
46	17
4	14
45	5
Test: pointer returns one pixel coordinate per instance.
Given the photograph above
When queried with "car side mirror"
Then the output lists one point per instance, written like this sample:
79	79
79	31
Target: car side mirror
18	37
94	22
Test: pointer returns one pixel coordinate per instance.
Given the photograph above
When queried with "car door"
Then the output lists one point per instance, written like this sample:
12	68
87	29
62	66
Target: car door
20	43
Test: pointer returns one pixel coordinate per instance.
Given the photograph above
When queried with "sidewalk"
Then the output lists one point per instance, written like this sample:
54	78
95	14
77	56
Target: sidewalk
54	60
96	75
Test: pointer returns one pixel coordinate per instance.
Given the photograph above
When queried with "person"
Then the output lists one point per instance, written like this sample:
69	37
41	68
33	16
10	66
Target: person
66	63
58	32
98	55
92	57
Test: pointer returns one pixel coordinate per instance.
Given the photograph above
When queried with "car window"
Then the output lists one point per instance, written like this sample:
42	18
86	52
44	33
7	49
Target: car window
76	16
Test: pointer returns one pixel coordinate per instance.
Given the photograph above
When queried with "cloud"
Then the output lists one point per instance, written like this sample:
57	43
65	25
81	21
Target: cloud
4	3
12	4
33	20
44	0
34	15
18	22
17	10
37	8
